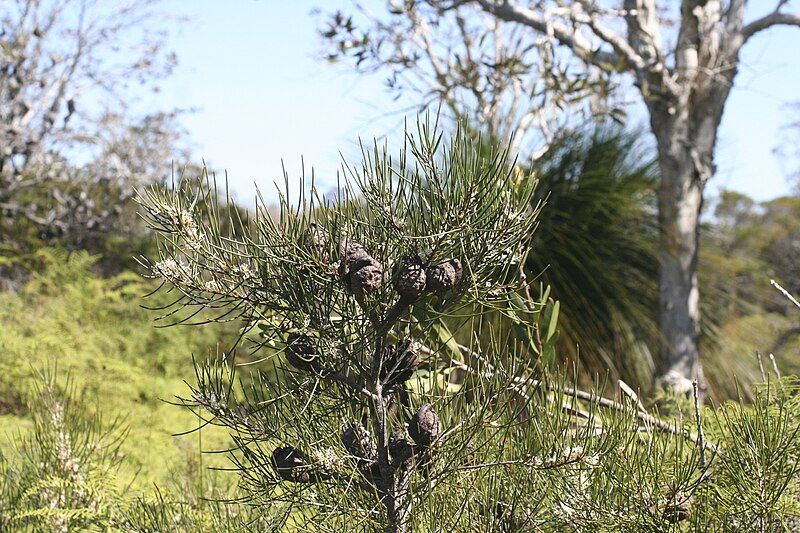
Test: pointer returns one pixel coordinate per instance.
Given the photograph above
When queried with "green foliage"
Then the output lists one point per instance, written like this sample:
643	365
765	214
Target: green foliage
66	472
746	244
595	246
328	437
96	331
431	235
60	475
167	511
755	479
540	457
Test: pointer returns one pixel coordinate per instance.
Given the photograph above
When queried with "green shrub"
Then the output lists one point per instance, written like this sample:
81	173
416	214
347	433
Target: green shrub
370	417
60	475
95	330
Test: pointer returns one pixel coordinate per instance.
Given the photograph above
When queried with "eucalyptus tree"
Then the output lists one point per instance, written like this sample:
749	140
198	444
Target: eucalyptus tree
66	67
681	56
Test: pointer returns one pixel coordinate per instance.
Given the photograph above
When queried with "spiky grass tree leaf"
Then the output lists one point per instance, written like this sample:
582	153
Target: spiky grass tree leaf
595	247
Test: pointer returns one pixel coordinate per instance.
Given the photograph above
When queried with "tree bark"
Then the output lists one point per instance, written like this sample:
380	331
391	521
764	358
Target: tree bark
680	199
686	137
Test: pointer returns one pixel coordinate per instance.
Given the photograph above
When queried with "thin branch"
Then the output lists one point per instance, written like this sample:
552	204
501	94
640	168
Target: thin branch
784	292
656	423
699	422
773	19
566	35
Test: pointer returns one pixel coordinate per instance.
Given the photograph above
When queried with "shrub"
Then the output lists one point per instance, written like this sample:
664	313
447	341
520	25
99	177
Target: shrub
60	476
96	330
361	412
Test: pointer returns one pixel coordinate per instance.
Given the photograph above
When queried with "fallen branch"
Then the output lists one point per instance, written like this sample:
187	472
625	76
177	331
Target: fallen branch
654	422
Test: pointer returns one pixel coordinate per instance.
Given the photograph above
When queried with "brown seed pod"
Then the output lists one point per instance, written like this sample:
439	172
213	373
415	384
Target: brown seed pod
358	443
400	448
409	281
290	463
366	279
351	251
425	426
362	274
443	276
301	353
399	363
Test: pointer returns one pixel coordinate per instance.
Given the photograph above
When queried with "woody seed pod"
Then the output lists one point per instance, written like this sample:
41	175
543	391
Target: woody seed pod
358	443
425	426
443	276
399	447
290	463
361	273
410	279
367	279
351	251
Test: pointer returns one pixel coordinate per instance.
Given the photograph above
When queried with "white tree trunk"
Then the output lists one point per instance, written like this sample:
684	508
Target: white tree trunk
685	152
680	201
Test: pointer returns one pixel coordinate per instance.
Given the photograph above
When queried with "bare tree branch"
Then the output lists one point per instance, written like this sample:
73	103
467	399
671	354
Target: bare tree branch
768	21
569	37
53	55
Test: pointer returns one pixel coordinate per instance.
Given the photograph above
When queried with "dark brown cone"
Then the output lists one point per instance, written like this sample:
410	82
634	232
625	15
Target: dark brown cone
399	447
425	426
410	279
361	273
351	251
358	443
301	353
443	276
399	363
290	463
366	279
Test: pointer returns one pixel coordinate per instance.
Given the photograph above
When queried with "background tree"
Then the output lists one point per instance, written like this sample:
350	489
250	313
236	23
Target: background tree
70	144
476	67
682	59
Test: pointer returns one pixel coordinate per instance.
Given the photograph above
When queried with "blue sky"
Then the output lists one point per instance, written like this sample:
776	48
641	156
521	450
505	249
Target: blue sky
251	72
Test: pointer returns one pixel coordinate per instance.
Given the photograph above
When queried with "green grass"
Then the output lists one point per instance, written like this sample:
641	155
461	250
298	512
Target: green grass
96	330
